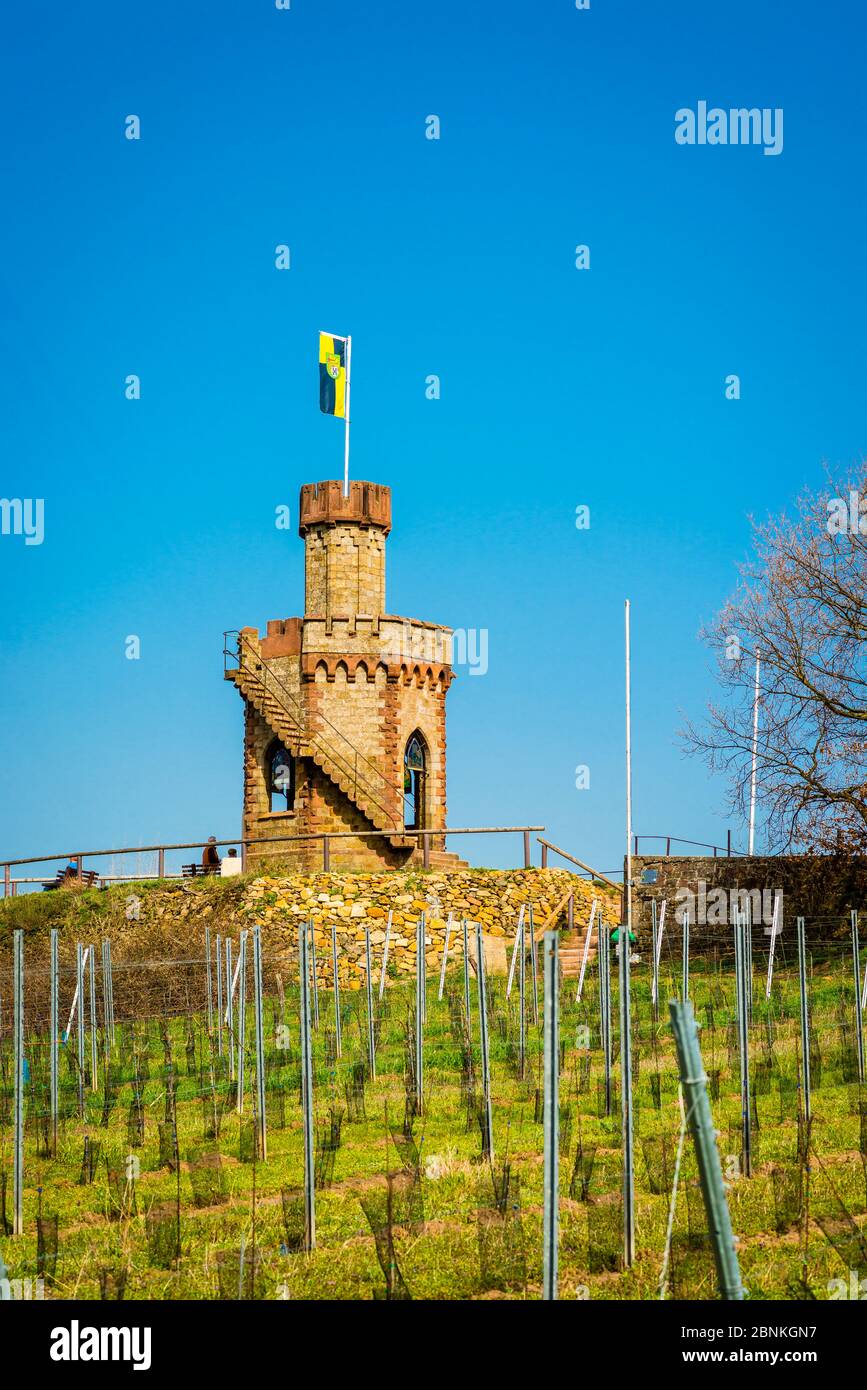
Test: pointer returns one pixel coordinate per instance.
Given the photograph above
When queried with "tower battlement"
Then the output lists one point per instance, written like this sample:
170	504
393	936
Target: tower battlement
323	504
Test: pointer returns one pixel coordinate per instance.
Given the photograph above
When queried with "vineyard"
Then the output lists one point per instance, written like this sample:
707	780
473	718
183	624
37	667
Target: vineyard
187	1137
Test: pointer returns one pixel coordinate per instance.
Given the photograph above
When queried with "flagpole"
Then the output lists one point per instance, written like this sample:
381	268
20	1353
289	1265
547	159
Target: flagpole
346	419
755	757
628	904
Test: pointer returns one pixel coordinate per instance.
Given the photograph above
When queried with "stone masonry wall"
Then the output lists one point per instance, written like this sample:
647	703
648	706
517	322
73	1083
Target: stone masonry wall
172	917
356	706
352	902
382	714
320	809
344	570
821	888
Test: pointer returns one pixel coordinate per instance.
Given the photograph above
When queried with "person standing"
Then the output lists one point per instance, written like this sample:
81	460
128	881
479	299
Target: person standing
210	856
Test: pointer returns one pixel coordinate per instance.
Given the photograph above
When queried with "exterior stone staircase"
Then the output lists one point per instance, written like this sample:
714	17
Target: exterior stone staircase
342	764
571	957
444	860
571	946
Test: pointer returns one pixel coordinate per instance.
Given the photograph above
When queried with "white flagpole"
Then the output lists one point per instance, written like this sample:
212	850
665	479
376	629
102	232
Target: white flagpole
625	951
755	756
346	419
628	913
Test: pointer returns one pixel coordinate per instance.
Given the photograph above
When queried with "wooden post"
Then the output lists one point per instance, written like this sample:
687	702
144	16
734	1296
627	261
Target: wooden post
544	855
7	873
326	854
161	863
425	849
526	849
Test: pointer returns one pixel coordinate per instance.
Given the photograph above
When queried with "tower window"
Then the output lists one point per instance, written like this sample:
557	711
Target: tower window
414	771
281	778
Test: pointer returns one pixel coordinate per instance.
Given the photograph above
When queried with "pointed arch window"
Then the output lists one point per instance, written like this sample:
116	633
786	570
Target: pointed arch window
280	768
414	775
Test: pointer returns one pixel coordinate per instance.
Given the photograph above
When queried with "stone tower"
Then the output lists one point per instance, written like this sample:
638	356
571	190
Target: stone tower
344	708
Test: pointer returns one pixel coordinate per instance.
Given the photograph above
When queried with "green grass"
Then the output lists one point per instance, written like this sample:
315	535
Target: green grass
440	1258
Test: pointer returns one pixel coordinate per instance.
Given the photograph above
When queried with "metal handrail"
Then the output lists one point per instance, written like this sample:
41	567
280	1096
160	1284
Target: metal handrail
564	854
271	839
296	711
128	849
728	850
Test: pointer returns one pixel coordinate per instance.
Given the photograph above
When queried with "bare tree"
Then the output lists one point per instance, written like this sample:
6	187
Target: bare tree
802	602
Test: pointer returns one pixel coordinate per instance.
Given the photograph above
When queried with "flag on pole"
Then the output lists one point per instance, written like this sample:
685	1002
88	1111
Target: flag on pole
335	366
333	375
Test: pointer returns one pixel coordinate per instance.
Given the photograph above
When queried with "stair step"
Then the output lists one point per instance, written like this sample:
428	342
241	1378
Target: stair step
444	859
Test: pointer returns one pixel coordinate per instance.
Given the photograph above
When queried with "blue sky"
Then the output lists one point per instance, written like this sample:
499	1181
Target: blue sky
456	257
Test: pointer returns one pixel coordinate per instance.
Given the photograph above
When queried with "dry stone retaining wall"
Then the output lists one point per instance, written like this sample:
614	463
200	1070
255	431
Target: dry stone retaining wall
354	902
165	922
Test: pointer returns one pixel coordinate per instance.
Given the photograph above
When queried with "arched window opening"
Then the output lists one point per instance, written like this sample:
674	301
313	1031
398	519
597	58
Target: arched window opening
414	772
281	778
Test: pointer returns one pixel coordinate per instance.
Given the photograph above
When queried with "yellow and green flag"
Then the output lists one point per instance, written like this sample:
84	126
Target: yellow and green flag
332	375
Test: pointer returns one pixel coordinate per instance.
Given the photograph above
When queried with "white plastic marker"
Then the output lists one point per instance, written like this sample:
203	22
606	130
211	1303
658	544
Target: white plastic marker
659	930
234	984
75	995
445	955
775	931
519	939
384	955
593	907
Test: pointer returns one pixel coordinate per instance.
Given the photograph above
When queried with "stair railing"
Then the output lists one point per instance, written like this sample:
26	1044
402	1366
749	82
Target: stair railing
374	784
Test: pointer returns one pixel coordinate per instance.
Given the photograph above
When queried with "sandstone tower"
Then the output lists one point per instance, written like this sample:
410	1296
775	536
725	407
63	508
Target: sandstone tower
344	708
